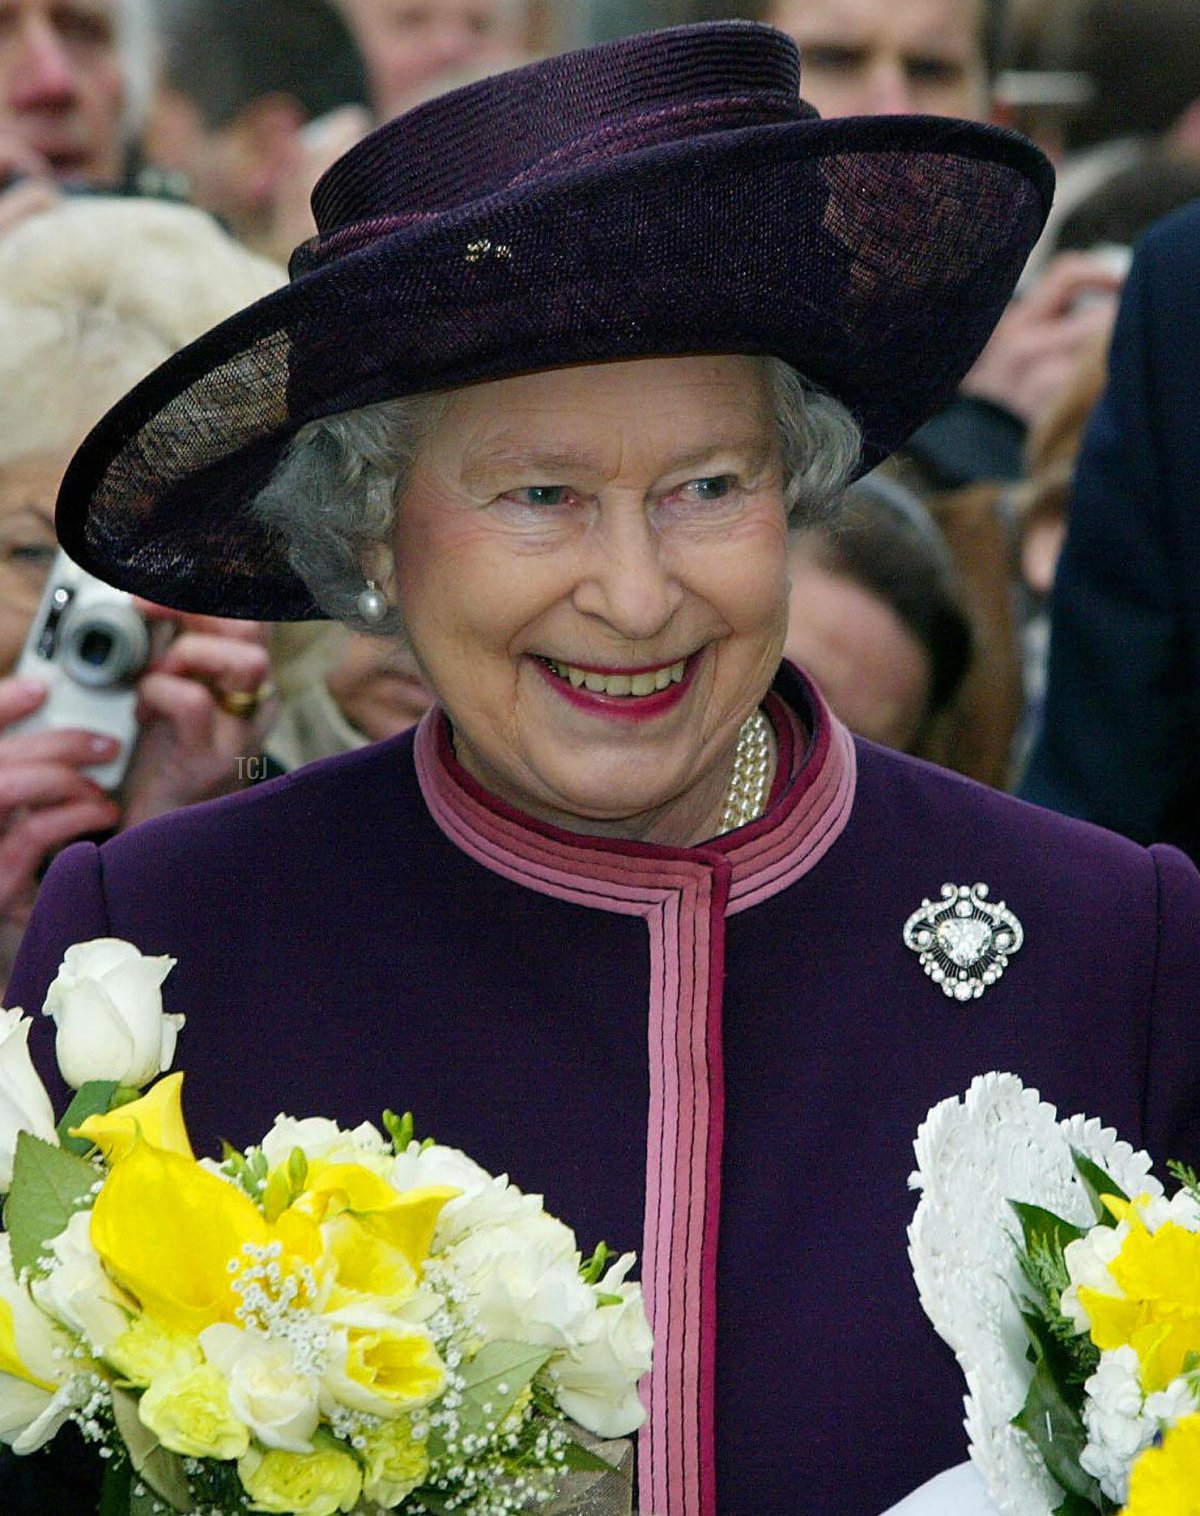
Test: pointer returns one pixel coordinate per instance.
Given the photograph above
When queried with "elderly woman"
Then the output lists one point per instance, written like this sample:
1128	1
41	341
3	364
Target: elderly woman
631	916
93	295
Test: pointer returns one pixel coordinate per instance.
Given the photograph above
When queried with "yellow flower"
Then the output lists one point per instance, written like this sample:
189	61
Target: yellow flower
366	1267
404	1220
387	1368
157	1116
1166	1479
396	1463
11	1361
301	1484
188	1411
1158	1313
144	1351
167	1229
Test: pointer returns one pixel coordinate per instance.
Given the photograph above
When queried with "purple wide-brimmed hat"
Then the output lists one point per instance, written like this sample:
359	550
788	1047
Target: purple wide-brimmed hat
665	194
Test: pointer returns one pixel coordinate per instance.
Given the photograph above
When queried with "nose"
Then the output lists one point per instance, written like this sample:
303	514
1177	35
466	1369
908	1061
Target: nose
628	581
888	91
41	70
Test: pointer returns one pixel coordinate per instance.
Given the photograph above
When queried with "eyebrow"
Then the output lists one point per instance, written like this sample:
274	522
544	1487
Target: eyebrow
511	457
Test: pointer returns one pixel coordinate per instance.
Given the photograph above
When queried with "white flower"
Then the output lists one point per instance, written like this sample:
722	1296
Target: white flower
267	1391
78	1293
24	1104
318	1137
485	1201
596	1382
1118	1424
522	1282
34	1399
107	1005
1087	1260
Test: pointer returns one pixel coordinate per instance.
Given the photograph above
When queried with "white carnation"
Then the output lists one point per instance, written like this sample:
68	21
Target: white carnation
484	1201
522	1282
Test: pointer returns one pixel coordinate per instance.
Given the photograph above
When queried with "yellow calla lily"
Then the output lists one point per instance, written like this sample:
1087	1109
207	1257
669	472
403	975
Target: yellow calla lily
157	1116
166	1230
403	1219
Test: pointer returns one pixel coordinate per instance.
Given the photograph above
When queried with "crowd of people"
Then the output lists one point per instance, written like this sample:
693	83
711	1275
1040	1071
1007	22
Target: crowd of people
1005	586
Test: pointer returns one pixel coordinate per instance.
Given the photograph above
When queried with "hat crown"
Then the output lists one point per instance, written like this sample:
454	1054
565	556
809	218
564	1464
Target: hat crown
564	112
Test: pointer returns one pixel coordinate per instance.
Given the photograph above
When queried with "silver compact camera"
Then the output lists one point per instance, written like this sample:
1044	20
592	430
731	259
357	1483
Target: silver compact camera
88	645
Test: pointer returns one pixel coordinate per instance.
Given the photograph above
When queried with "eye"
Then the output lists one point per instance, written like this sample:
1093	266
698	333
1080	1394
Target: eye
934	70
715	487
540	496
832	56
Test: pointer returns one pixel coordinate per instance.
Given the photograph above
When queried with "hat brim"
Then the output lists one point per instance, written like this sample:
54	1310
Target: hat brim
873	255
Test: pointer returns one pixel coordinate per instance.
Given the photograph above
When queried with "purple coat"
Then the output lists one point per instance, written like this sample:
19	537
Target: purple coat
718	1056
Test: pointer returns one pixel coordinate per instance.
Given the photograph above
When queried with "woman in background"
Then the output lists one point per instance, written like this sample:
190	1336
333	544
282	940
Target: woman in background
94	293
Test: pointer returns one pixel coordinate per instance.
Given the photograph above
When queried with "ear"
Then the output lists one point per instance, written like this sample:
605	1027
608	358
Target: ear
267	133
379	566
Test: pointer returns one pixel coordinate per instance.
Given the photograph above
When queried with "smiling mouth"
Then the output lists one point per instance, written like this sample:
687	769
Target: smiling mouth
633	685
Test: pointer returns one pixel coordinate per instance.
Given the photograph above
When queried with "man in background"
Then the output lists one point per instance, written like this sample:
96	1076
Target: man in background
409	44
942	57
75	76
257	98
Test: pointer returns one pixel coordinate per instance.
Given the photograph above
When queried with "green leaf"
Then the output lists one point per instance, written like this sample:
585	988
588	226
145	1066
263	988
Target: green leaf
1076	1505
581	1460
1053	1423
91	1099
115	1489
508	1364
48	1187
1096	1182
161	1469
1043	1229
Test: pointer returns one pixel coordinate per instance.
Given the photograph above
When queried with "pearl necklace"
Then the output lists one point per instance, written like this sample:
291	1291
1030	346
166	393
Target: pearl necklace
753	770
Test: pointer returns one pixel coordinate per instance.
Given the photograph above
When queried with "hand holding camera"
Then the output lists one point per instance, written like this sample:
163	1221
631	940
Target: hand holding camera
119	711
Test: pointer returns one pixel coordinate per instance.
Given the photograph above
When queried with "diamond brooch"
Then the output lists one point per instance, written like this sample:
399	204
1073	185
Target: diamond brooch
964	941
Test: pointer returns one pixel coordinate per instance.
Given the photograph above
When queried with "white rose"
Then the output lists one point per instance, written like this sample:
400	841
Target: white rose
522	1282
596	1382
266	1389
77	1291
34	1399
24	1104
318	1137
107	1005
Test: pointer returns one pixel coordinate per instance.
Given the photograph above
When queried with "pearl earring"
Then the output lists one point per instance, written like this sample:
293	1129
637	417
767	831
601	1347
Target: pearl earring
372	603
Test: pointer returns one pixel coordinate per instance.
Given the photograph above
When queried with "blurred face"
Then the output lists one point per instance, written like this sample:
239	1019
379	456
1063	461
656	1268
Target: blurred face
62	88
872	670
409	43
592	568
28	487
378	687
889	57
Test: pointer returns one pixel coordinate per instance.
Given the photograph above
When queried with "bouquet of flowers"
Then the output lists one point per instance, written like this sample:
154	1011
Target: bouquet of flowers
330	1321
1068	1285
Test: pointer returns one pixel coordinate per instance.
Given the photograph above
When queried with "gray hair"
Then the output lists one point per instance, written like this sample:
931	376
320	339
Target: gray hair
331	500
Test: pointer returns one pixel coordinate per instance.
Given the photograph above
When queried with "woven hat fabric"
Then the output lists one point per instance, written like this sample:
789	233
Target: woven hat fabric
666	194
